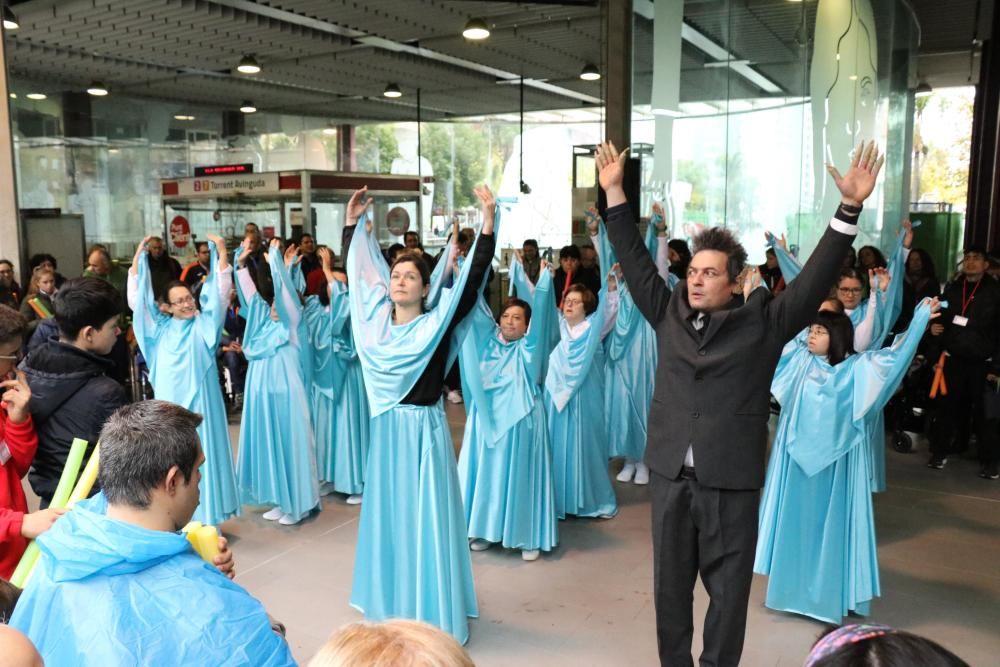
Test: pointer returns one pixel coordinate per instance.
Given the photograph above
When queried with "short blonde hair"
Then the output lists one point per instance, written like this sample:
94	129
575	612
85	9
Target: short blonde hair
395	643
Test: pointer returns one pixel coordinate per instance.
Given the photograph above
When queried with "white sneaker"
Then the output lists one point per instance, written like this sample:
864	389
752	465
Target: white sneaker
530	554
287	520
480	545
274	514
605	516
354	499
641	473
628	470
326	488
454	396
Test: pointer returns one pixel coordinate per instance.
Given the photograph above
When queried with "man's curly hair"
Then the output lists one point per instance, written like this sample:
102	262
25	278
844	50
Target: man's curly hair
722	240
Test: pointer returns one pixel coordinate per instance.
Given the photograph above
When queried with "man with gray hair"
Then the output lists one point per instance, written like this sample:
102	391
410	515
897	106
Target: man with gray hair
118	584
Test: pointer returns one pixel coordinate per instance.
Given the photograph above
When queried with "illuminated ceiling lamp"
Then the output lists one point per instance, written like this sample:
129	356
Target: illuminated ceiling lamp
97	89
248	107
330	129
10	21
590	72
476	29
923	89
248	65
35	96
393	91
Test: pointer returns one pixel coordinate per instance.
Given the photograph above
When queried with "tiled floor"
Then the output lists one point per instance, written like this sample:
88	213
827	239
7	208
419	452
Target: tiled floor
589	602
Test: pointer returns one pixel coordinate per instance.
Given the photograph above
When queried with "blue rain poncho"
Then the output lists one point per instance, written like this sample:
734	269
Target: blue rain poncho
505	466
183	370
817	530
107	592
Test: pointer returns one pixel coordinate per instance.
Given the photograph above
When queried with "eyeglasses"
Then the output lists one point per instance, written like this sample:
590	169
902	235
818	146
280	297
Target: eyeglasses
572	302
849	290
188	300
16	357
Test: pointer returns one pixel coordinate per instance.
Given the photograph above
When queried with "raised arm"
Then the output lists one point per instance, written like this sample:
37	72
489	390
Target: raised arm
794	308
483	256
610	302
864	333
213	299
647	288
658	223
139	294
246	289
285	300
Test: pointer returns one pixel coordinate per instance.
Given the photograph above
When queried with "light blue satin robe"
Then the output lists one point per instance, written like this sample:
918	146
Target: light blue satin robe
817	531
183	370
277	461
505	466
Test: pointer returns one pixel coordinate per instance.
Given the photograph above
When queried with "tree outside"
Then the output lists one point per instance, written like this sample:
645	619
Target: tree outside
942	141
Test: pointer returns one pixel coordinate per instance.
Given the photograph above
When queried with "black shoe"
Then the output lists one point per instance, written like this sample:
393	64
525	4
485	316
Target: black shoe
989	473
937	462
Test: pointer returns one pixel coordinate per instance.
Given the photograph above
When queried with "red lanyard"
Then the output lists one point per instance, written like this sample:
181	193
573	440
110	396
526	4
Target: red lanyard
569	283
967	302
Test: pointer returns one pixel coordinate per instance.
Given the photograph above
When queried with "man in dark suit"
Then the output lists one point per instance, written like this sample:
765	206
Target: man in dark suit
707	431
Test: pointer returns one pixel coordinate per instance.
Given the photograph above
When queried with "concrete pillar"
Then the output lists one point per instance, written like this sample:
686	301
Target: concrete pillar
666	97
618	59
10	227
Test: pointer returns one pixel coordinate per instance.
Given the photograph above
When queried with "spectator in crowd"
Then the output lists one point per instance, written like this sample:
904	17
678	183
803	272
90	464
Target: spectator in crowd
571	272
308	261
72	393
194	274
530	259
9	593
680	257
920	282
588	258
163	269
968	333
256	261
869	645
44	260
18	443
393	251
391	644
413	245
870	257
117	565
37	304
10	291
231	349
17	650
770	272
99	265
850	259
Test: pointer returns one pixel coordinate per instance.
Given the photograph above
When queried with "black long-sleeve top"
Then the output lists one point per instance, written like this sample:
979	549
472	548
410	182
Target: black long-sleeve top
428	388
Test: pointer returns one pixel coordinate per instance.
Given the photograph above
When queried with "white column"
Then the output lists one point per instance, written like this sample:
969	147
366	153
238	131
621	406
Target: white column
10	227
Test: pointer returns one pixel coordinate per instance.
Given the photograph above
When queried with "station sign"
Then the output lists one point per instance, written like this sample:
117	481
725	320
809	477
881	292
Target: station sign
224	169
228	185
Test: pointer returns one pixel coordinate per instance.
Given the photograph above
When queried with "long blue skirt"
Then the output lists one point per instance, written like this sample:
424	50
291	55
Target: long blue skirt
817	537
626	416
347	452
580	454
277	460
220	499
507	486
876	441
412	559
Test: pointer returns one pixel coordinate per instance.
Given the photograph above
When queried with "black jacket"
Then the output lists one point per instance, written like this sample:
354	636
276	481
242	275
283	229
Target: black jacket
713	388
588	277
71	397
977	341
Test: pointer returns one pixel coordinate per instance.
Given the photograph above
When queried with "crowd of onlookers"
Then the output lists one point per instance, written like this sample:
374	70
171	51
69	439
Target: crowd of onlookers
65	360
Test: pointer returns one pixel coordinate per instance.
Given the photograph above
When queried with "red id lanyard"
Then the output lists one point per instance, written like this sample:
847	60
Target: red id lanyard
967	302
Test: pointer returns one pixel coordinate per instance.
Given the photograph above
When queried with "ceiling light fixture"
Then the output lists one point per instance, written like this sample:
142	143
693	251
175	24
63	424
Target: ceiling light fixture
13	96
248	65
393	91
248	107
923	89
183	117
36	96
97	89
330	130
590	72
476	29
10	21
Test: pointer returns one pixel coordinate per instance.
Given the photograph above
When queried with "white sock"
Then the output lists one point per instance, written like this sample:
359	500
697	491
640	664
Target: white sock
273	514
641	473
628	470
354	499
287	520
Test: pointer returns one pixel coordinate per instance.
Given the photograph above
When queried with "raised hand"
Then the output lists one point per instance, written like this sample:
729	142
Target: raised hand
907	234
593	220
519	257
489	206
220	248
936	313
883	278
326	258
659	219
357	205
245	247
139	249
610	168
751	281
291	254
859	182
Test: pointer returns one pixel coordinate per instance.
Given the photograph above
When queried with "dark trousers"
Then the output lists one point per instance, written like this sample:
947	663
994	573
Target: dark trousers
955	412
698	529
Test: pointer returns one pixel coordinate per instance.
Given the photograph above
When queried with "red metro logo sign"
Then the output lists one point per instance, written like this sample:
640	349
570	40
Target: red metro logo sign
180	232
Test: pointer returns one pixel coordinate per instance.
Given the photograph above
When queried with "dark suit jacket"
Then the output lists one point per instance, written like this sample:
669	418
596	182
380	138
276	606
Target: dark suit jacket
713	390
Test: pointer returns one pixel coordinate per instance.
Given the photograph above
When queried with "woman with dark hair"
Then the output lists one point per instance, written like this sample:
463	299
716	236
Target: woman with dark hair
505	467
680	257
870	645
920	282
870	257
817	530
180	346
412	557
574	404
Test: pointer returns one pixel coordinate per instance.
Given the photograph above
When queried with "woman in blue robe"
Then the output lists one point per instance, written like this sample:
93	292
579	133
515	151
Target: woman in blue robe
179	346
631	356
412	557
340	407
276	461
817	530
574	404
505	466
